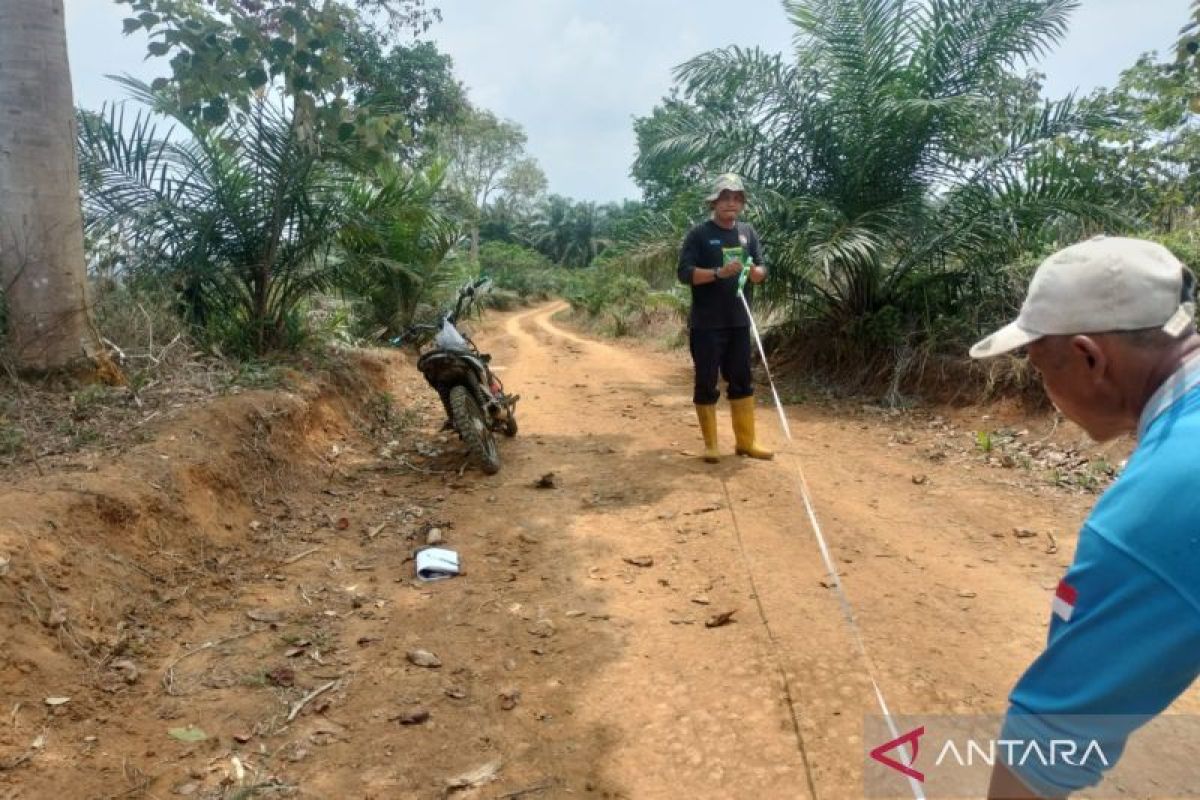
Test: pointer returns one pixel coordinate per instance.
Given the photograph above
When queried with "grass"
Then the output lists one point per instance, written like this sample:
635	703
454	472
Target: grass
77	433
89	399
12	438
385	419
259	375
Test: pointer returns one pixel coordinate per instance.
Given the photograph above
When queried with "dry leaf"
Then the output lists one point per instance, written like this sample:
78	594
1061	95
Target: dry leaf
718	620
509	699
477	777
189	734
416	716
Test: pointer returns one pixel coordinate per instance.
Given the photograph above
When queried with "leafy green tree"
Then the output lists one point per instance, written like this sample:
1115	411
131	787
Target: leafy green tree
225	53
414	84
1146	150
523	183
1188	46
572	233
620	219
502	221
508	217
550	230
663	172
587	238
483	152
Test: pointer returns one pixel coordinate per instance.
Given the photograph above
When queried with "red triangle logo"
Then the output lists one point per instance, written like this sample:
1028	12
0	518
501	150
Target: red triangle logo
912	738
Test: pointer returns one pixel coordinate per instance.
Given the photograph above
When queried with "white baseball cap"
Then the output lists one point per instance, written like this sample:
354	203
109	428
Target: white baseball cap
1104	284
725	183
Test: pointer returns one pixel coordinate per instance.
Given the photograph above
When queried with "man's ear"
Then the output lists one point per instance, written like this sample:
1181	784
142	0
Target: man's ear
1086	348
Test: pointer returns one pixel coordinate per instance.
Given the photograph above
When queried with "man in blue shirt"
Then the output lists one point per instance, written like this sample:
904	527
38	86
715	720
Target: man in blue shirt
1109	325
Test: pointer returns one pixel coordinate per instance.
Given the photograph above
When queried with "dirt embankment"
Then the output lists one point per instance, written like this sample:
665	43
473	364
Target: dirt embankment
229	610
112	568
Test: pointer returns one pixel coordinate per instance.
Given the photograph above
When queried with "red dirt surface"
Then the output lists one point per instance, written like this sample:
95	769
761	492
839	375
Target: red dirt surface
259	549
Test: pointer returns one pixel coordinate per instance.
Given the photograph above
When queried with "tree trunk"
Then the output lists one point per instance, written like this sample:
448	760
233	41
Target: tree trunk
42	271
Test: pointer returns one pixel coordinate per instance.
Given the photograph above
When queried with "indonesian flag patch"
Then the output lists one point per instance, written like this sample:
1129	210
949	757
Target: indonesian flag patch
1064	601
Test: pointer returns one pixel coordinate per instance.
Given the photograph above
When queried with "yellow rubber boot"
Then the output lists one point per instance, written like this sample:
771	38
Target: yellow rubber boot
743	429
708	427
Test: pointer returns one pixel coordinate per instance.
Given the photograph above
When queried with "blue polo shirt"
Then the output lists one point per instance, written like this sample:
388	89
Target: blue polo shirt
1125	626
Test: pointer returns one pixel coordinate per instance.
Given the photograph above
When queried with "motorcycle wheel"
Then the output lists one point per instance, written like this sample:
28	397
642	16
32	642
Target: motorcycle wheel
472	426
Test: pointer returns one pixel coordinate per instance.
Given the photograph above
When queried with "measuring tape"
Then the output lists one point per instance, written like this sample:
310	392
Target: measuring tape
847	609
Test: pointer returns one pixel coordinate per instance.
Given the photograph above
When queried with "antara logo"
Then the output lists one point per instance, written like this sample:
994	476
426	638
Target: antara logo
1013	752
912	738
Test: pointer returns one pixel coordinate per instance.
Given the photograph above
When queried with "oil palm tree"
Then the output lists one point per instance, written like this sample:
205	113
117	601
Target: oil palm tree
550	231
392	253
570	233
894	160
586	234
238	220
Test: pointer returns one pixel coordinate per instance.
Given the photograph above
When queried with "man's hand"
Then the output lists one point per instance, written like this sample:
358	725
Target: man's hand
758	274
730	269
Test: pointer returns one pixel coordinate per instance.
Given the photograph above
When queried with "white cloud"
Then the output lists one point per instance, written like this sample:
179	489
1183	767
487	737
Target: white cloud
1106	37
574	73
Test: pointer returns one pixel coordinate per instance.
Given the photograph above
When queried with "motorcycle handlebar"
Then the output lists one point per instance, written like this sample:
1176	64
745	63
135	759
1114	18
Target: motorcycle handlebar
409	334
466	295
476	287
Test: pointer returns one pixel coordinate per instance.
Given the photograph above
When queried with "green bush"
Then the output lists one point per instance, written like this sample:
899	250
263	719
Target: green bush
12	438
625	302
1185	244
500	299
521	270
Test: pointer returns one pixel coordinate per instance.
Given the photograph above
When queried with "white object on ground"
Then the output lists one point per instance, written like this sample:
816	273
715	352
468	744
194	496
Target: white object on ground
437	563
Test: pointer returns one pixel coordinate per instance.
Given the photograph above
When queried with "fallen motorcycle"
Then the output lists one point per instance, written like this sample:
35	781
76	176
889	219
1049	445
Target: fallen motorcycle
474	398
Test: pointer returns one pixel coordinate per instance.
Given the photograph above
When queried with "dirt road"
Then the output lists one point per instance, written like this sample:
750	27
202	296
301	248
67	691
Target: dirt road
951	605
574	656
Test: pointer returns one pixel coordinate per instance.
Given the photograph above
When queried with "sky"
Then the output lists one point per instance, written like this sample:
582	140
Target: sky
575	73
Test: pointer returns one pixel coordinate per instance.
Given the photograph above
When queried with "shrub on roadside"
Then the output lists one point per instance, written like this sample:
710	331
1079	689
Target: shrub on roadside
623	304
1184	244
525	272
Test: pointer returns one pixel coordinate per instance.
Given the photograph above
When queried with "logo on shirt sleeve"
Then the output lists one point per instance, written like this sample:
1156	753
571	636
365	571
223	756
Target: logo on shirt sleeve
1064	601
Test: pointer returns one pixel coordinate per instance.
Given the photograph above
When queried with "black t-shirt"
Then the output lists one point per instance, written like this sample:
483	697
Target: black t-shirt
716	305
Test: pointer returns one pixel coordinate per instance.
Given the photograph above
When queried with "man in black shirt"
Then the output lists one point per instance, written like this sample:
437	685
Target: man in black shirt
713	256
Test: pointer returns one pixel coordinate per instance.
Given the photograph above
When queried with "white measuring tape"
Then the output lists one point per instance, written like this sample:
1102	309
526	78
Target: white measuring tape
847	609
